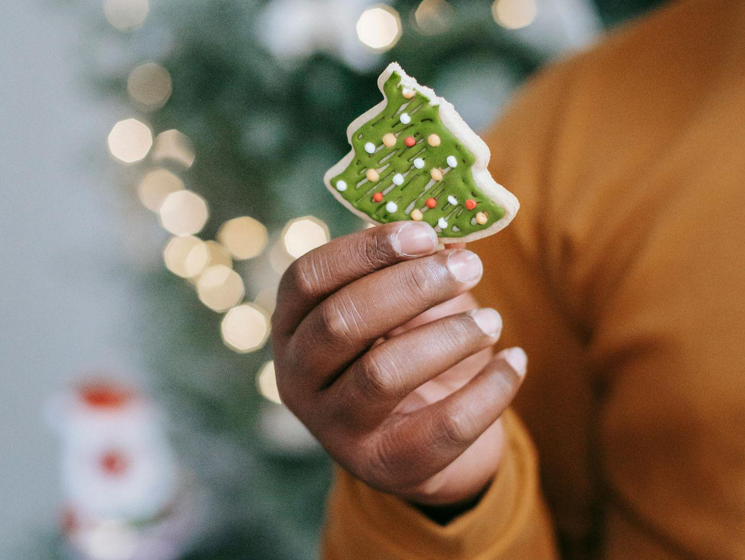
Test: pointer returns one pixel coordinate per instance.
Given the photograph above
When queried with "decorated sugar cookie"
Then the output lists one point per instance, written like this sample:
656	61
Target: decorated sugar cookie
414	158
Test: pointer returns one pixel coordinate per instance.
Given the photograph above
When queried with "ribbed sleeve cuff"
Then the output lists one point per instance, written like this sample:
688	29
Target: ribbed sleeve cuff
509	521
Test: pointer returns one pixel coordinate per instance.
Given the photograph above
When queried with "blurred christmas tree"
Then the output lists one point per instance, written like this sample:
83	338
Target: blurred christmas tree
231	112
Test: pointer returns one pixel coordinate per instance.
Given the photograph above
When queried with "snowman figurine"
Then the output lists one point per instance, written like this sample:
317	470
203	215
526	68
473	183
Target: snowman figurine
125	496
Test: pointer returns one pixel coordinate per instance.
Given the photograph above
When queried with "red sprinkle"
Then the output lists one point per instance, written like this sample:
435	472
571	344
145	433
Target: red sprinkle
410	141
431	203
470	204
378	197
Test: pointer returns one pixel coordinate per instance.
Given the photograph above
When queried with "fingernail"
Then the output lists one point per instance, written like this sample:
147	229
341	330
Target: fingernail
415	239
517	359
488	320
465	266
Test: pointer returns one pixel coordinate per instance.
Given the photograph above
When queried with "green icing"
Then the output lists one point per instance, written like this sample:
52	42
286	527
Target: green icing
418	185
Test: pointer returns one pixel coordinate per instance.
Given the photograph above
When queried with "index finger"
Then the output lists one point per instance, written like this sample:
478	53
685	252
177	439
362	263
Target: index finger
323	271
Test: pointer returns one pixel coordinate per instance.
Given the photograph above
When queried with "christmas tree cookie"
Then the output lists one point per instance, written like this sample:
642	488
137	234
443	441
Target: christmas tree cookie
414	158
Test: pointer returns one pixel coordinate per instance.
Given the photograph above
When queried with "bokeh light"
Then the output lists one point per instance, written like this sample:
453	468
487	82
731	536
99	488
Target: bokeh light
245	328
244	237
155	186
126	15
266	383
186	256
183	213
433	16
150	84
172	145
130	140
217	254
304	234
220	288
379	27
514	14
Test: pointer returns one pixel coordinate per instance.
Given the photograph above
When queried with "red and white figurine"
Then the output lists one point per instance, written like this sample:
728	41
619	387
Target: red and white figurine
125	496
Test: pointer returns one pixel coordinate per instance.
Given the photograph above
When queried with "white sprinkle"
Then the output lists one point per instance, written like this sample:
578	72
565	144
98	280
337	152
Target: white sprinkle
452	162
418	163
405	118
452	200
370	148
341	186
443	223
398	179
391	207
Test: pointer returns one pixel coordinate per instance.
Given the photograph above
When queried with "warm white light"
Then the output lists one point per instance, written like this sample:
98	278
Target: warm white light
379	27
175	146
304	234
183	213
433	16
155	186
126	15
130	140
266	383
185	256
244	237
220	288
514	14
217	255
150	84
245	328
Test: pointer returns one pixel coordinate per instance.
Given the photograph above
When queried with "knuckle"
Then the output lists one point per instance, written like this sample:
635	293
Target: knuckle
377	248
455	428
340	320
419	281
305	276
379	467
376	376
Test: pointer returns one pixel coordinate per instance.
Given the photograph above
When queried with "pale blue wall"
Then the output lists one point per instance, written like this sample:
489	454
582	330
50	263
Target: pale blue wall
63	297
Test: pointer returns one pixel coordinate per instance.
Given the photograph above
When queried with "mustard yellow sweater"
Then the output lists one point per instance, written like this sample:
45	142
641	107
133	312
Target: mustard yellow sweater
623	277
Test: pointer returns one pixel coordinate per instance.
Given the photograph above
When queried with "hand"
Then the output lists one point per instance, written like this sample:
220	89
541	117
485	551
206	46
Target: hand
382	354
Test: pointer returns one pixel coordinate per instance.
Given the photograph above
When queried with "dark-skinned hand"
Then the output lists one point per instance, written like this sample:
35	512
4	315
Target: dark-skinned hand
384	355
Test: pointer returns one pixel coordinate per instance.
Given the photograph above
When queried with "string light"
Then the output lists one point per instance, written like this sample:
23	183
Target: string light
218	255
150	84
155	186
304	234
186	256
379	27
183	213
514	14
130	140
172	145
433	16
244	237
266	383
245	328
220	288
126	15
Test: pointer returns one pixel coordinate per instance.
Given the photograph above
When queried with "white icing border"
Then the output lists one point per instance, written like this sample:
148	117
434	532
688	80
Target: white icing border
455	123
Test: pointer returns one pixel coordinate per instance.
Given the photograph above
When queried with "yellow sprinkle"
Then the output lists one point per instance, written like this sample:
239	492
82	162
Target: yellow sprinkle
434	140
372	176
389	140
416	214
482	218
408	93
436	174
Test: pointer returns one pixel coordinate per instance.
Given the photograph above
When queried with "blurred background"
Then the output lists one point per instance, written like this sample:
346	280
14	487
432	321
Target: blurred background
161	165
